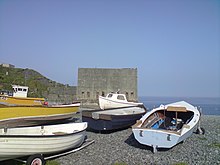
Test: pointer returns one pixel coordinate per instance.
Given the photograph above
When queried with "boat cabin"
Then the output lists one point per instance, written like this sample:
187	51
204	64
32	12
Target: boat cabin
19	91
116	96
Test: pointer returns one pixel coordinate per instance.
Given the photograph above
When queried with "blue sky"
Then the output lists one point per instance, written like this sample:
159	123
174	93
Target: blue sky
175	45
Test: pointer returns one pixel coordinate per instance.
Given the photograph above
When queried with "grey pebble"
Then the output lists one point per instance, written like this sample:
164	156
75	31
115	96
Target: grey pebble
122	148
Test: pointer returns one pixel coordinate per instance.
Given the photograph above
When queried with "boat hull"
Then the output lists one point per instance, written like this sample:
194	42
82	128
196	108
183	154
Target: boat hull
159	138
18	144
110	119
28	116
105	103
118	122
20	101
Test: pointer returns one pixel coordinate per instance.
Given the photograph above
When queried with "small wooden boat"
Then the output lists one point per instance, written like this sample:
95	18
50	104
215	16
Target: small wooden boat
19	98
167	125
112	119
18	116
50	139
115	100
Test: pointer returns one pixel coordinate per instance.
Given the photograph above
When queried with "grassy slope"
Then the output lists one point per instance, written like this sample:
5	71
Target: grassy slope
36	82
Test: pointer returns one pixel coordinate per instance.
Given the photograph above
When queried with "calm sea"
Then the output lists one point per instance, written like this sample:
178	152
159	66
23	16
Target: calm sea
209	106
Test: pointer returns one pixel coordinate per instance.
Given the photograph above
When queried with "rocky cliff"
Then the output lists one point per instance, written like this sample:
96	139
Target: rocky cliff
39	85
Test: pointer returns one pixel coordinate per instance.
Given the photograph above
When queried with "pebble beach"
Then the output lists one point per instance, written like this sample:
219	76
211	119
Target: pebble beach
121	148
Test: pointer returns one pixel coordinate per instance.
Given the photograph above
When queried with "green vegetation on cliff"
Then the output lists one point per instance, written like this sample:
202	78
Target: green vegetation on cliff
39	86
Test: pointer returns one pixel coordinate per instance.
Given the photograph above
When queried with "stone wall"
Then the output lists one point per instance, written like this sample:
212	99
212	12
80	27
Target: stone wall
93	82
63	94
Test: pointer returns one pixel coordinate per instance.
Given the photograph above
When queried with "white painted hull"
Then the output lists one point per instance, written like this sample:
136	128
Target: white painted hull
158	138
105	103
20	142
164	138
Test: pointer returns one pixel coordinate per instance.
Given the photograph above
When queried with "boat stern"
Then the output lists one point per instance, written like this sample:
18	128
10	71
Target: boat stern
158	138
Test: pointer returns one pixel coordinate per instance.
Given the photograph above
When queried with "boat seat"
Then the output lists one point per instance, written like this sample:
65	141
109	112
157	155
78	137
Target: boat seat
151	122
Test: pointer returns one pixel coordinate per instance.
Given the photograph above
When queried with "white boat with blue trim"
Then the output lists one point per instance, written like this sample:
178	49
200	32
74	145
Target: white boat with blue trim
167	125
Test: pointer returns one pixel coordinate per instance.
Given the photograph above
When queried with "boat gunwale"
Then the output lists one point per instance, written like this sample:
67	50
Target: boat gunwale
24	98
43	136
30	118
88	113
112	116
41	106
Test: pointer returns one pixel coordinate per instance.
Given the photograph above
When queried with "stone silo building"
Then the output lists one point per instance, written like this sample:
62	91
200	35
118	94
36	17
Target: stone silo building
93	82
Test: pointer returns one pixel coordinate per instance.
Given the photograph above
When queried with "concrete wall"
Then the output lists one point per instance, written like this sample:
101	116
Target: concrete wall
93	82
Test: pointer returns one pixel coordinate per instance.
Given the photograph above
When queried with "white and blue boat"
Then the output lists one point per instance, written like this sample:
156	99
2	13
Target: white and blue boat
167	125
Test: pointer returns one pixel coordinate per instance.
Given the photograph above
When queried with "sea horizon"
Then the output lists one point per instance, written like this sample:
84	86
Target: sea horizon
207	105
